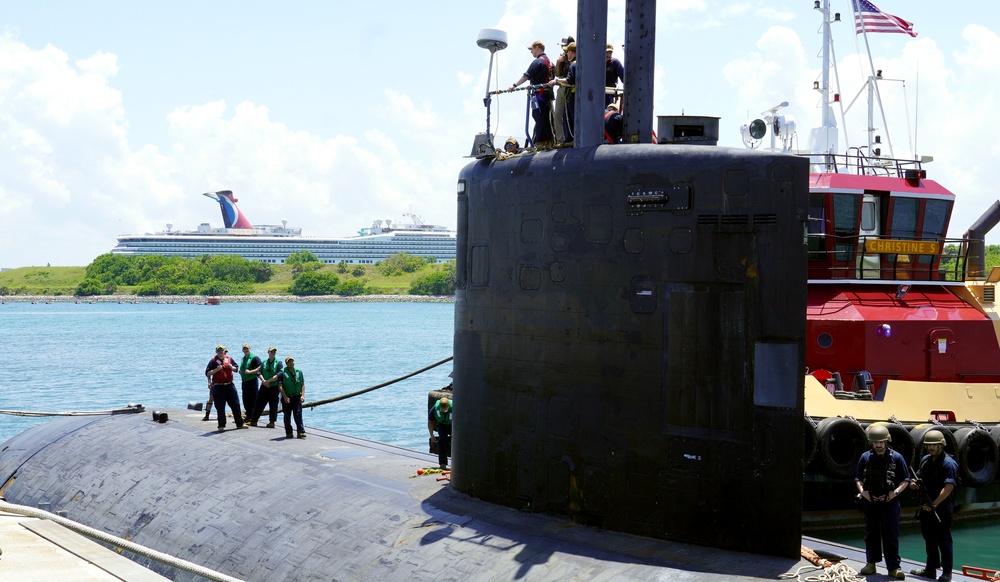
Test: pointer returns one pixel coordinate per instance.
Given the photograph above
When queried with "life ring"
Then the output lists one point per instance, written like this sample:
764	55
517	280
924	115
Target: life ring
899	438
841	443
917	438
809	443
976	453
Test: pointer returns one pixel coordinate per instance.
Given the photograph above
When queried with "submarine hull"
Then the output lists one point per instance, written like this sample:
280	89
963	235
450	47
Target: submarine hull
629	340
254	505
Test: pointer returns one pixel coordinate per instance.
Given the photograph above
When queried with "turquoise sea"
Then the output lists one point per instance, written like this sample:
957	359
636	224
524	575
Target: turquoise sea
68	356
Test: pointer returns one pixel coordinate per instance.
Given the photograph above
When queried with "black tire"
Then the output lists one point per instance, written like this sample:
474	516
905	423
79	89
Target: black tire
976	453
810	443
995	433
841	443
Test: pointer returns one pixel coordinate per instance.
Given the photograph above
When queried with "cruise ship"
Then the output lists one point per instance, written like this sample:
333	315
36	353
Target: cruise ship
273	243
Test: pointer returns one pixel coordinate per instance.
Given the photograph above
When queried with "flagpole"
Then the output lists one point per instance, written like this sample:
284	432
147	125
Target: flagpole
873	86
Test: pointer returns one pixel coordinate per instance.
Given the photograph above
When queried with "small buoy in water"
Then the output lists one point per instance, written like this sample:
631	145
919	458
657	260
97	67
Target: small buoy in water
420	471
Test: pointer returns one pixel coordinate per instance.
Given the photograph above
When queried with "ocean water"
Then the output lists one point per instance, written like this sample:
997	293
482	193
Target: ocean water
69	357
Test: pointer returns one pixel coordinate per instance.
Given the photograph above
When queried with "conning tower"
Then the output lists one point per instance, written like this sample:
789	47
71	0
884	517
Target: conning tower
629	325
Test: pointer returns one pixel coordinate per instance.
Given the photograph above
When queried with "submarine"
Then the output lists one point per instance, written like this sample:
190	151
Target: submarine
628	356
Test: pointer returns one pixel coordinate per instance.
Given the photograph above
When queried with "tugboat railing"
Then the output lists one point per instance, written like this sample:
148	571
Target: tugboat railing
846	260
858	161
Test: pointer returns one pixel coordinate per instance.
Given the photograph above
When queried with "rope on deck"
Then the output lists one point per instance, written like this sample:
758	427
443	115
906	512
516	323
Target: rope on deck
834	573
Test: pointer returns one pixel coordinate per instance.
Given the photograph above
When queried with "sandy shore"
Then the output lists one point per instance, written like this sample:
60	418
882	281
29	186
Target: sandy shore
202	299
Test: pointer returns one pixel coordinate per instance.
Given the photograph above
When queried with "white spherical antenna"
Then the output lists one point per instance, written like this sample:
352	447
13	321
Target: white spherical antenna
169	226
492	39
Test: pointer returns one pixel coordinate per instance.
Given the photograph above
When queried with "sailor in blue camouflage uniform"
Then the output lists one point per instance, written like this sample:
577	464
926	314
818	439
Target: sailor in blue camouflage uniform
938	476
882	475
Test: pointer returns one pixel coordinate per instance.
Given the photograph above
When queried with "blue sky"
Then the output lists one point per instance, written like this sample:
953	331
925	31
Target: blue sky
116	115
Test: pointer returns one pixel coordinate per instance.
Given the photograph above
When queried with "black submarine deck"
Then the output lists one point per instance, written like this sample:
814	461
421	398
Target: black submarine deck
255	505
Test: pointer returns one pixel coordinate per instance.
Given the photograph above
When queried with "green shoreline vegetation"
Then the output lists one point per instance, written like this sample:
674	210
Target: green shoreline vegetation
221	275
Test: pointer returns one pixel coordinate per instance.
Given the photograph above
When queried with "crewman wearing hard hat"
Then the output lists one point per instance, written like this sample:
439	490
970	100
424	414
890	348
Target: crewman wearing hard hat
938	476
882	475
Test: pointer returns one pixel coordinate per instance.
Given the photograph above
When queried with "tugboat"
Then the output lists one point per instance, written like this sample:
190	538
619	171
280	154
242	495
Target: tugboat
902	327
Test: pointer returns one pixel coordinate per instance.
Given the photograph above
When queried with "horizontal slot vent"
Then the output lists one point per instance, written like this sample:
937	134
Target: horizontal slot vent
735	219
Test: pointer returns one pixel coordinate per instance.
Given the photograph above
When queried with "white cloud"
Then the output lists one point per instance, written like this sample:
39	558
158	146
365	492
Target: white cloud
71	178
73	174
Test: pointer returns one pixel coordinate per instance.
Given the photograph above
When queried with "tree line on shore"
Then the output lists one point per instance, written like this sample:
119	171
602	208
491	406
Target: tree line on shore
150	275
154	275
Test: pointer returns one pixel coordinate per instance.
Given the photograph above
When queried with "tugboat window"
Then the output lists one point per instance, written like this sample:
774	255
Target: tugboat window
845	225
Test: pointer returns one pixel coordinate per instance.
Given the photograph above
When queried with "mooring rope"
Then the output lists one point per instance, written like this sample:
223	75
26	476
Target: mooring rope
835	573
376	387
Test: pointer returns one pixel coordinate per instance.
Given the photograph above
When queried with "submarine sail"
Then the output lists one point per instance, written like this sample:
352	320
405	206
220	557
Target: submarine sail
629	329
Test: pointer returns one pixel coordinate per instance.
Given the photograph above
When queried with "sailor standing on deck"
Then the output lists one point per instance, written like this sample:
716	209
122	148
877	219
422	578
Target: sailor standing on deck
938	476
292	384
249	369
269	395
220	369
882	475
439	419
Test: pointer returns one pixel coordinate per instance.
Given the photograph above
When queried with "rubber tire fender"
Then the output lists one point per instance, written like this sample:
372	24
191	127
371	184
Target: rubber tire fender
917	437
976	453
995	433
841	443
810	443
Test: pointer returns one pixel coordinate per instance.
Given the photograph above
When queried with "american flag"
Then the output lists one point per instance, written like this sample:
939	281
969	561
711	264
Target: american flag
868	18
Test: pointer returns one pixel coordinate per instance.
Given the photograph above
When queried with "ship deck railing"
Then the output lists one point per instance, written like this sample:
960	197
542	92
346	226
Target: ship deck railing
858	161
847	260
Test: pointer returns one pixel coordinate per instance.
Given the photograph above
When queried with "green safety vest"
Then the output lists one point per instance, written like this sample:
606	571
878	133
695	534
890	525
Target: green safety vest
243	367
269	368
292	384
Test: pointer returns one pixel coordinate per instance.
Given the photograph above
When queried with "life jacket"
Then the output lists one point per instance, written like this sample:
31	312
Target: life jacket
879	476
442	417
292	383
224	376
245	365
549	74
270	368
607	116
549	69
